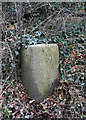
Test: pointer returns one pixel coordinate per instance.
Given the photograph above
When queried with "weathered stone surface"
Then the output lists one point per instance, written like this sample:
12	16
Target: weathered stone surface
40	69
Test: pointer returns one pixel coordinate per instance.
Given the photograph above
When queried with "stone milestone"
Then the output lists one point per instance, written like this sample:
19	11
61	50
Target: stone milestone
40	68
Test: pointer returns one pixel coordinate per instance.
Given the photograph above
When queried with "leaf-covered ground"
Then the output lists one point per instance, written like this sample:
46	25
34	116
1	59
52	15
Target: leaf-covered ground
68	99
62	104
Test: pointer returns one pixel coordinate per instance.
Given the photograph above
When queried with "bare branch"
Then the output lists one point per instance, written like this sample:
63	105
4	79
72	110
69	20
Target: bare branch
8	87
46	20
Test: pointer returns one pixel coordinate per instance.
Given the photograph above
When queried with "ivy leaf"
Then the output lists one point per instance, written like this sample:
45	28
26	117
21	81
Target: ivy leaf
24	39
37	33
27	116
17	53
42	38
27	35
82	39
70	79
13	65
26	46
18	37
4	65
19	47
82	84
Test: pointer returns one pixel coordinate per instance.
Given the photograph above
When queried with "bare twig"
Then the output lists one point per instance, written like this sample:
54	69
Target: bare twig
9	49
6	81
47	20
41	6
8	86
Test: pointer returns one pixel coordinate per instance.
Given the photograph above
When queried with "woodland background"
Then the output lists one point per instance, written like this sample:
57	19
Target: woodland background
25	24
